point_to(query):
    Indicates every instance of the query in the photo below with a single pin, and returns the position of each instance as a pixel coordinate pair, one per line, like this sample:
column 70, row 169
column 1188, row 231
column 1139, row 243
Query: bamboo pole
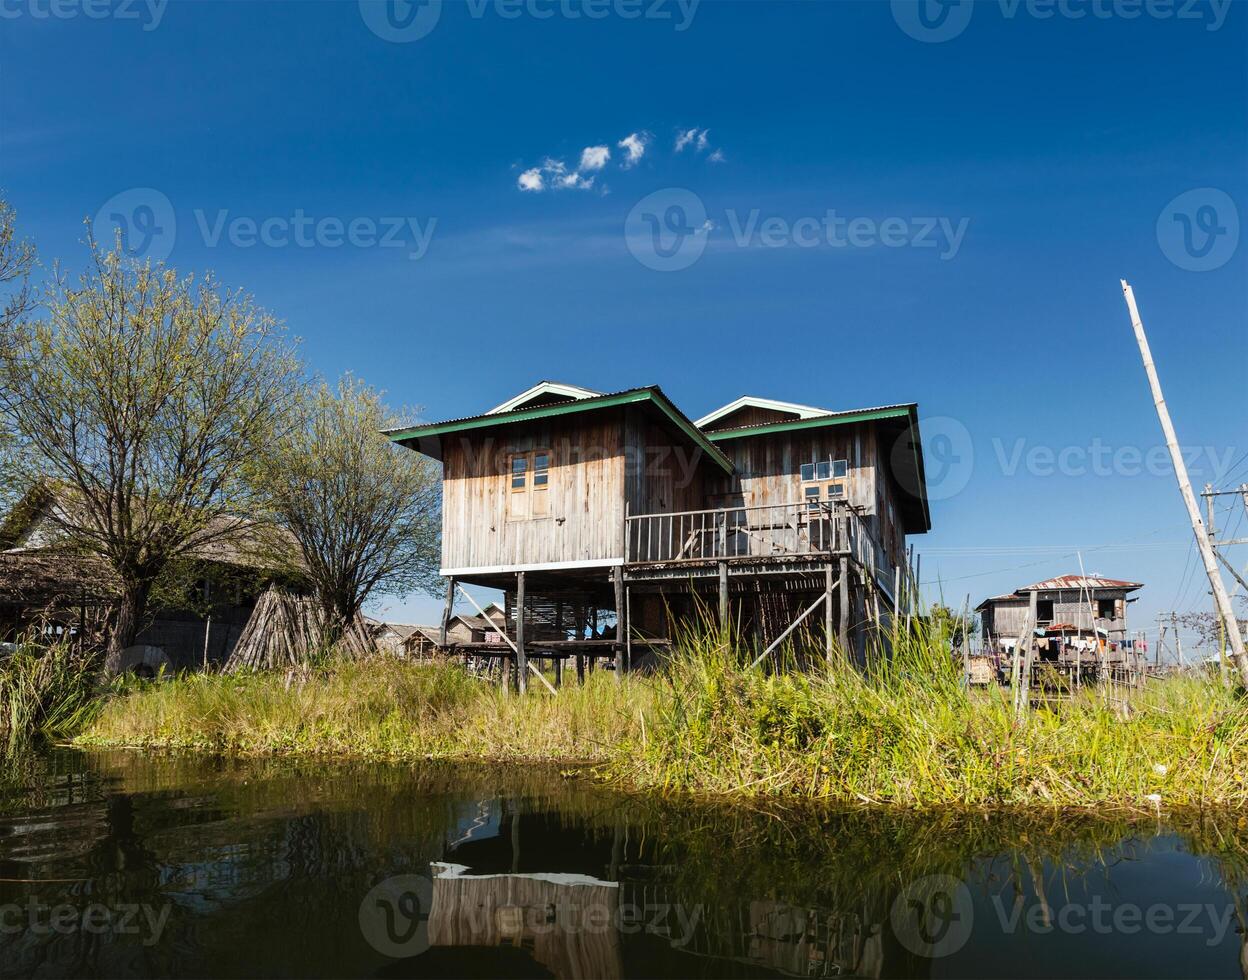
column 1221, row 599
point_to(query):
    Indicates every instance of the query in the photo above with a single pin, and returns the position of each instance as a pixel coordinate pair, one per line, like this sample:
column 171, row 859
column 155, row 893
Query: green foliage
column 903, row 732
column 906, row 731
column 362, row 511
column 139, row 397
column 47, row 691
column 379, row 707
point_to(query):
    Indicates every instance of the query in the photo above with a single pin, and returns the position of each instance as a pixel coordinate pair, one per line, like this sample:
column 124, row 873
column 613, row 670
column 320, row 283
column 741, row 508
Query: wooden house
column 1090, row 610
column 51, row 591
column 606, row 519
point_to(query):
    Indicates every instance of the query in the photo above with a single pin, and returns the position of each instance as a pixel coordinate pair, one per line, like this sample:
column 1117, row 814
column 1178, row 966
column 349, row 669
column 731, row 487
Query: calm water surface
column 138, row 865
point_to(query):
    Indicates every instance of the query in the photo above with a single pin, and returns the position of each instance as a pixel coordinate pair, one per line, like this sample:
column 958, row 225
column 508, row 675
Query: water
column 132, row 864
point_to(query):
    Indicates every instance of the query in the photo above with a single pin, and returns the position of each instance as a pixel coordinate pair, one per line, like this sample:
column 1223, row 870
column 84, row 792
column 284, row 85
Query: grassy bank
column 903, row 732
column 45, row 691
column 376, row 709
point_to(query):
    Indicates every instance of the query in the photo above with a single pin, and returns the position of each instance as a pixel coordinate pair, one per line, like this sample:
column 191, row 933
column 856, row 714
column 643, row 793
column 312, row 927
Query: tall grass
column 379, row 708
column 45, row 691
column 905, row 730
column 902, row 730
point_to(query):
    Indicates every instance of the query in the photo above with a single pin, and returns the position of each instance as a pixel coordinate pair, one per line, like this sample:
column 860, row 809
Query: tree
column 363, row 511
column 139, row 398
column 17, row 257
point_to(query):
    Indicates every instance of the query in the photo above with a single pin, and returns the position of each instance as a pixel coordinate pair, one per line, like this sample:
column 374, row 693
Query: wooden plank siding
column 601, row 464
column 769, row 472
column 585, row 495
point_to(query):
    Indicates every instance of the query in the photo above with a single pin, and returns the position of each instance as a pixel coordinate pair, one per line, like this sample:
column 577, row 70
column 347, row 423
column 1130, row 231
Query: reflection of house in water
column 566, row 922
column 585, row 913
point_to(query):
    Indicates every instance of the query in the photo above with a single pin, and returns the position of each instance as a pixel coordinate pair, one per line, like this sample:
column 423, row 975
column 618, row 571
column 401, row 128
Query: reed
column 45, row 691
column 375, row 708
column 901, row 730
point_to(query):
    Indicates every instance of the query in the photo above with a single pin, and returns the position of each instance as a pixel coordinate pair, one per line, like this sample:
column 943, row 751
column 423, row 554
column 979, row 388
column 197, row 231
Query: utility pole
column 1223, row 601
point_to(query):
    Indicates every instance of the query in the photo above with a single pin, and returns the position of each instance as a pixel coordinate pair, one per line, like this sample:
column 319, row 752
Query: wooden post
column 723, row 597
column 558, row 657
column 844, row 610
column 628, row 628
column 828, row 585
column 446, row 611
column 1221, row 599
column 207, row 630
column 522, row 664
column 620, row 624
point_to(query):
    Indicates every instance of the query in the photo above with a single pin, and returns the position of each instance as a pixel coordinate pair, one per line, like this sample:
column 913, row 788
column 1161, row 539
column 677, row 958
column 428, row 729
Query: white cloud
column 634, row 144
column 594, row 157
column 717, row 157
column 697, row 137
column 574, row 181
column 532, row 180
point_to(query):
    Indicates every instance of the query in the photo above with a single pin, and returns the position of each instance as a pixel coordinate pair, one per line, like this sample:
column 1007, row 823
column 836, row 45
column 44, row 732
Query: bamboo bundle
column 284, row 630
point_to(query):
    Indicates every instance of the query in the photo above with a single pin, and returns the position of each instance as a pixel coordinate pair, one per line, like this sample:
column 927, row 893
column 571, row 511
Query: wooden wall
column 584, row 509
column 1006, row 617
column 769, row 472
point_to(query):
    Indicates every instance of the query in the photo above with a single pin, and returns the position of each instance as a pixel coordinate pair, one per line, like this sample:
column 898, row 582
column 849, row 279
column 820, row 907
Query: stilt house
column 608, row 519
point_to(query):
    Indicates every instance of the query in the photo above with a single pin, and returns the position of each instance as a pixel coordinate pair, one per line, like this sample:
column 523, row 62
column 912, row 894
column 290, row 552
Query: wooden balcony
column 785, row 533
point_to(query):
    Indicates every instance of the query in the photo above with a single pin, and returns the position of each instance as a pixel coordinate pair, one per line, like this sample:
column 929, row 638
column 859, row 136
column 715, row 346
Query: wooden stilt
column 620, row 625
column 844, row 604
column 829, row 585
column 723, row 596
column 446, row 611
column 628, row 628
column 522, row 665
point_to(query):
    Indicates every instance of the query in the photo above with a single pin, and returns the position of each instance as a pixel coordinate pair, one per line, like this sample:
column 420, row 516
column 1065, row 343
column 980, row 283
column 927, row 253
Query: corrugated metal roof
column 1079, row 582
column 813, row 418
column 1063, row 582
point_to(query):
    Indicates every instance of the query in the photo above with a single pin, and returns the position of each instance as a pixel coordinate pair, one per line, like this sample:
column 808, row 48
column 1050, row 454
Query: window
column 519, row 472
column 529, row 474
column 1106, row 608
column 1044, row 610
column 823, row 480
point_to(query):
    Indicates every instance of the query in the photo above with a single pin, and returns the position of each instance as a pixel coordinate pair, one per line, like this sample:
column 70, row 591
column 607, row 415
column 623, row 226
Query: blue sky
column 999, row 182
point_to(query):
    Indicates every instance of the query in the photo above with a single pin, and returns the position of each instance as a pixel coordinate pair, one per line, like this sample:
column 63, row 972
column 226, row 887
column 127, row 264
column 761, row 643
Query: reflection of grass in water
column 848, row 860
column 902, row 732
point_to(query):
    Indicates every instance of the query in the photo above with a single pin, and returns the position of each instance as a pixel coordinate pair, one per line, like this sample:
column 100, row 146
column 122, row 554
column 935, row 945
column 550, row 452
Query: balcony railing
column 768, row 531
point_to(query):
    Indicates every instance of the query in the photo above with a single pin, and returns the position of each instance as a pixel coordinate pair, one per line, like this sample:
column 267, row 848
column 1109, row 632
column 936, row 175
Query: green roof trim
column 636, row 396
column 843, row 418
column 909, row 412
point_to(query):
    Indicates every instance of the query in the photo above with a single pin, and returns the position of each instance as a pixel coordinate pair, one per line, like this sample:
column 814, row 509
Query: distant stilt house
column 1075, row 618
column 607, row 520
column 56, row 593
